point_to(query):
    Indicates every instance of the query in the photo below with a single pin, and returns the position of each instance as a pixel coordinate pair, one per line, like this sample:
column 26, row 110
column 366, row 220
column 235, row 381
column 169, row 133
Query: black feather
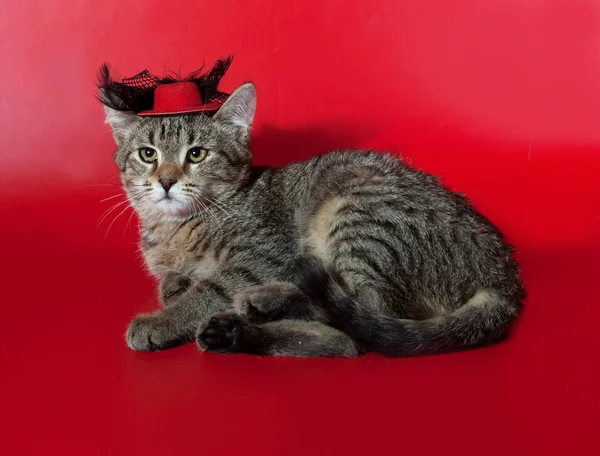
column 209, row 83
column 136, row 93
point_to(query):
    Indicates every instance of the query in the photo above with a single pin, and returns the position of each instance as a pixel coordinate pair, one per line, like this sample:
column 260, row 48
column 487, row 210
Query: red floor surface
column 501, row 98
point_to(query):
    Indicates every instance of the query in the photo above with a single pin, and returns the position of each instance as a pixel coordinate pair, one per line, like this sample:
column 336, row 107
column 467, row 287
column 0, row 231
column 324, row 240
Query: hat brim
column 212, row 106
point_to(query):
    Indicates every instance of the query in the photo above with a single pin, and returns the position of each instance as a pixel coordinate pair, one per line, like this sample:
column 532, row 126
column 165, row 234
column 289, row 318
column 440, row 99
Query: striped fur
column 349, row 252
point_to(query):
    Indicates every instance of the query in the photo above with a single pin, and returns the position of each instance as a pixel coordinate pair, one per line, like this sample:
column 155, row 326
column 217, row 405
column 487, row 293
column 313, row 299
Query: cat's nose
column 167, row 183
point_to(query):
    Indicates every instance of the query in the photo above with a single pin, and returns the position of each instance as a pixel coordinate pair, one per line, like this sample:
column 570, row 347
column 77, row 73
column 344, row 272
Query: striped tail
column 485, row 319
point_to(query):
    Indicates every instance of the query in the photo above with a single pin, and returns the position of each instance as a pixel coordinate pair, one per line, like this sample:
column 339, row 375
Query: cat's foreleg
column 176, row 324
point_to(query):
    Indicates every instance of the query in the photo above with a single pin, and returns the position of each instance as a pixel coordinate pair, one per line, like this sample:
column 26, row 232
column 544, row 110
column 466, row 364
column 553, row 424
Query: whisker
column 97, row 185
column 111, row 197
column 109, row 210
column 223, row 207
column 106, row 184
column 128, row 222
column 115, row 219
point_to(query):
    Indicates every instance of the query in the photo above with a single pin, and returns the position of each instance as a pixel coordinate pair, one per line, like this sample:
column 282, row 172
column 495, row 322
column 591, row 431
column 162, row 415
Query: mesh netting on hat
column 143, row 80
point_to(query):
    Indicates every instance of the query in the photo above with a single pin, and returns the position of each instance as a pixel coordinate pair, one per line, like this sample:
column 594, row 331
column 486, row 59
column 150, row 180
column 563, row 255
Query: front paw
column 151, row 333
column 221, row 333
column 172, row 287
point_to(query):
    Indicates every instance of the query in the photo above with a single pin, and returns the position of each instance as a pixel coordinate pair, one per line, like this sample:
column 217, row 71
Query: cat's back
column 355, row 167
column 346, row 160
column 372, row 178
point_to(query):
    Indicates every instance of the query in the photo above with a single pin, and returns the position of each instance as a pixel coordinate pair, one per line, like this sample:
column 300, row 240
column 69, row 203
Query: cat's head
column 173, row 167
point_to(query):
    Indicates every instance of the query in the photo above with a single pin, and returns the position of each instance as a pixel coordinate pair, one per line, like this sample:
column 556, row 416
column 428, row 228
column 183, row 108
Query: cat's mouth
column 172, row 206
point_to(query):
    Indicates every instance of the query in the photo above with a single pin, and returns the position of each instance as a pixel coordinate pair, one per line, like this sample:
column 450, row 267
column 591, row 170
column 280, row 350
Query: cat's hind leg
column 232, row 333
column 274, row 301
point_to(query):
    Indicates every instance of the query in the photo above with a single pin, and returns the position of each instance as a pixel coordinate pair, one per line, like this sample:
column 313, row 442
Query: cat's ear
column 239, row 108
column 120, row 120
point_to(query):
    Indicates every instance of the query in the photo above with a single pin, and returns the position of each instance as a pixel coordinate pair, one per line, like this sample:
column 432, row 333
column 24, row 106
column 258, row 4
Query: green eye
column 148, row 155
column 196, row 154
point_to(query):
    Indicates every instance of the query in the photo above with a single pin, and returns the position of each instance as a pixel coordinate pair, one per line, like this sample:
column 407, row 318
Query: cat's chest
column 191, row 249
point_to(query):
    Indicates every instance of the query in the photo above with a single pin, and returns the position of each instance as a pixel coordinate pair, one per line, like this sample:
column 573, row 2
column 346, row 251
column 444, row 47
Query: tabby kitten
column 349, row 252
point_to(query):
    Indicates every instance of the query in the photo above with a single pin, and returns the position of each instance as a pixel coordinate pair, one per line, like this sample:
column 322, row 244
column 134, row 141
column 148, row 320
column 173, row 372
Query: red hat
column 179, row 98
column 149, row 95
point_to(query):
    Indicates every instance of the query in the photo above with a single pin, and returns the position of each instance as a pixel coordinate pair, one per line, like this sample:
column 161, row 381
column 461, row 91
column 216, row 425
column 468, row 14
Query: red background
column 500, row 97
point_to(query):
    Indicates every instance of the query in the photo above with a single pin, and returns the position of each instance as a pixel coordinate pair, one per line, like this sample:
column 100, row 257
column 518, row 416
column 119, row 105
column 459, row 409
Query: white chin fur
column 173, row 208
